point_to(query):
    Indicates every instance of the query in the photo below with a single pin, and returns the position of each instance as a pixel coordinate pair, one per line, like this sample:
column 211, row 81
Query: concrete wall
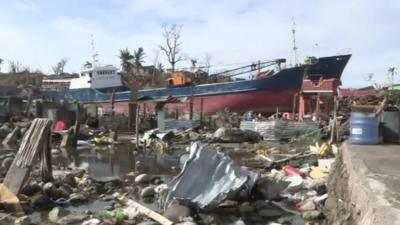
column 363, row 187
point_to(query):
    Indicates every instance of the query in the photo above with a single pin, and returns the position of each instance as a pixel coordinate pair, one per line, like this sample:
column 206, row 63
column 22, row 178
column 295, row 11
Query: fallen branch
column 143, row 210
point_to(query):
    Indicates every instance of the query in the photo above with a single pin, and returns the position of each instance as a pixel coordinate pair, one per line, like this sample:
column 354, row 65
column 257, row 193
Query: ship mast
column 95, row 53
column 294, row 41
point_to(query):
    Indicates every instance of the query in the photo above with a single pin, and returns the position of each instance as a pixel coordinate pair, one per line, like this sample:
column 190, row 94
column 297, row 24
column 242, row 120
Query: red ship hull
column 258, row 101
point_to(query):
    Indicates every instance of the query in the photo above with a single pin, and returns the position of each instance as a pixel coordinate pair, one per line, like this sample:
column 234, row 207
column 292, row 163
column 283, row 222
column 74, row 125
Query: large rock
column 24, row 220
column 65, row 191
column 31, row 189
column 39, row 199
column 148, row 223
column 78, row 197
column 187, row 223
column 186, row 219
column 57, row 213
column 143, row 178
column 148, row 192
column 69, row 178
column 4, row 130
column 246, row 208
column 50, row 190
column 5, row 165
column 194, row 136
column 176, row 211
column 92, row 221
column 71, row 219
column 330, row 203
column 312, row 215
column 270, row 213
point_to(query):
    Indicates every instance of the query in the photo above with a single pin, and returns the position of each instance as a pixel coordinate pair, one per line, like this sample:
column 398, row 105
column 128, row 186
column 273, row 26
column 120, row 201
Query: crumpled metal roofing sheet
column 207, row 178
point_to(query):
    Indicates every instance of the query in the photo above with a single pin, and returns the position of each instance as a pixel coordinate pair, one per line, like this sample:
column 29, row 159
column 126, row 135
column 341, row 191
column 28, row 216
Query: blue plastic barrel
column 364, row 128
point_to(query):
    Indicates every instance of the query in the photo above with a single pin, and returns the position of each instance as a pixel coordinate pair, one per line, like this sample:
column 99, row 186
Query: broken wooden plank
column 35, row 143
column 144, row 210
column 15, row 178
column 68, row 139
column 12, row 137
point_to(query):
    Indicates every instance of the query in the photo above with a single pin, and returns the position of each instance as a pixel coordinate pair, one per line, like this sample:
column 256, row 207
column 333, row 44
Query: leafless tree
column 58, row 69
column 193, row 64
column 155, row 62
column 160, row 67
column 207, row 63
column 172, row 48
column 1, row 62
column 391, row 74
column 370, row 78
column 15, row 67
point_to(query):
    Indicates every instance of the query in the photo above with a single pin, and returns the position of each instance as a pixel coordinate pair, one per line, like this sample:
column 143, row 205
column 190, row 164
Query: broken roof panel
column 207, row 178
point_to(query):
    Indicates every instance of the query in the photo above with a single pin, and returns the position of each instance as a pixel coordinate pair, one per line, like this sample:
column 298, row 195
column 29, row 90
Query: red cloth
column 60, row 125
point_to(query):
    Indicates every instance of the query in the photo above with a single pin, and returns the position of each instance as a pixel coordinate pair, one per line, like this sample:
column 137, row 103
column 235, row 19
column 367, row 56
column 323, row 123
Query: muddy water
column 116, row 160
column 119, row 160
column 112, row 161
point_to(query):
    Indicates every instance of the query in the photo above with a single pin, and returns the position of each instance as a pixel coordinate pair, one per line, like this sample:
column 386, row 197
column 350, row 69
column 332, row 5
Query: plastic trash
column 118, row 215
column 307, row 205
column 291, row 171
column 295, row 183
column 131, row 212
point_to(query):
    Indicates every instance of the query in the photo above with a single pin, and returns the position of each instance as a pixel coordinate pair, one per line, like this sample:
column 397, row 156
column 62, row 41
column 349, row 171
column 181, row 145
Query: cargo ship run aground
column 268, row 92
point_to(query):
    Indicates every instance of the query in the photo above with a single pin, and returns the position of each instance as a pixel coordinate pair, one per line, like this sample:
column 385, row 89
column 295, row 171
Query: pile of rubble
column 345, row 103
column 227, row 176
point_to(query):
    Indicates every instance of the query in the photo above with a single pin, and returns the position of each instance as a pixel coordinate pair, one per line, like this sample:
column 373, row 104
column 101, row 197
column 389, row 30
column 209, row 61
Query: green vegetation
column 22, row 78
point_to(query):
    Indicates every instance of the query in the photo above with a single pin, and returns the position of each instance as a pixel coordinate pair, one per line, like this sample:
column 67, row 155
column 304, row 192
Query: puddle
column 109, row 161
column 117, row 160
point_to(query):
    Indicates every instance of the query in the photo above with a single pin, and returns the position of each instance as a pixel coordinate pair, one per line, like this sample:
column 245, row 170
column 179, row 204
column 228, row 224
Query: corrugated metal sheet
column 170, row 124
column 207, row 178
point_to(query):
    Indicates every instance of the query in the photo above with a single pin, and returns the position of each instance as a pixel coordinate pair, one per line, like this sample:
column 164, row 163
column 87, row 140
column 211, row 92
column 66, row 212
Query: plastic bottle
column 291, row 171
column 118, row 215
column 105, row 214
column 307, row 205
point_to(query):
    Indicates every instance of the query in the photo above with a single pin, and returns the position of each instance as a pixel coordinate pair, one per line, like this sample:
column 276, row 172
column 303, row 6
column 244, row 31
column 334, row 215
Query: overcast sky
column 40, row 33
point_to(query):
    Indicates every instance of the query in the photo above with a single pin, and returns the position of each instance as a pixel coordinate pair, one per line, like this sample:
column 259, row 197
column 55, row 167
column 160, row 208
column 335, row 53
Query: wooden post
column 112, row 102
column 76, row 126
column 131, row 115
column 294, row 106
column 201, row 110
column 45, row 162
column 301, row 107
column 317, row 108
column 191, row 103
column 334, row 133
column 137, row 126
column 68, row 139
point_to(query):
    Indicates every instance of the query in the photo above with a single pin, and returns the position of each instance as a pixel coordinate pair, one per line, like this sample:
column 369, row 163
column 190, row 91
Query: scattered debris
column 276, row 130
